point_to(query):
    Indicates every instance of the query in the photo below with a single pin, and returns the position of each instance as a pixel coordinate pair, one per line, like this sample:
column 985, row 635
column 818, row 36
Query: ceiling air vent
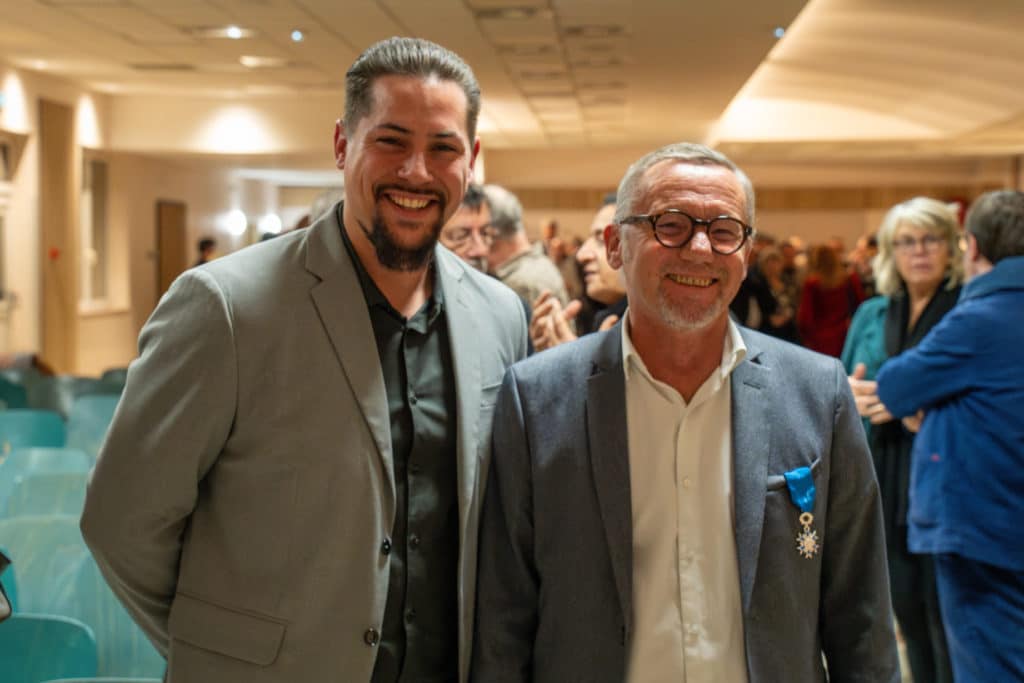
column 162, row 66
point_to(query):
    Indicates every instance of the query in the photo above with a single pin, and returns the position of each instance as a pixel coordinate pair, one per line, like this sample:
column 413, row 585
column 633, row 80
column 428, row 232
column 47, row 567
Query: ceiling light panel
column 226, row 32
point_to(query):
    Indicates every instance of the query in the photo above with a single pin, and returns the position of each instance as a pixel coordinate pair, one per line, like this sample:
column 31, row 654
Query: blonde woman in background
column 918, row 273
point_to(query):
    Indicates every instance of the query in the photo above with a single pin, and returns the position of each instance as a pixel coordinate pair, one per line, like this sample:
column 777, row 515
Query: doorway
column 171, row 243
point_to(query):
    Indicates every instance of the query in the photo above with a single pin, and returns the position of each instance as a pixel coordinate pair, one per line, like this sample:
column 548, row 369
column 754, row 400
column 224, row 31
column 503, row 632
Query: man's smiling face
column 407, row 165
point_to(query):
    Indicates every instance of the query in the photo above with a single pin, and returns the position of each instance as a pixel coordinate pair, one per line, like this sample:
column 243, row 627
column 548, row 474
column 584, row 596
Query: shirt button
column 410, row 614
column 686, row 482
column 385, row 547
column 412, row 398
column 414, row 468
column 414, row 541
column 371, row 637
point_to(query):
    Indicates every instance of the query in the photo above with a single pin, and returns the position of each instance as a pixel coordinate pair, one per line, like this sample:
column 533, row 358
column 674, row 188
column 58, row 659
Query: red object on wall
column 54, row 253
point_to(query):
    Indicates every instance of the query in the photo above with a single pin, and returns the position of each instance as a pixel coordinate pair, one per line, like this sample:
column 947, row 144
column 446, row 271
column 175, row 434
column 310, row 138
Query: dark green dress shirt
column 419, row 636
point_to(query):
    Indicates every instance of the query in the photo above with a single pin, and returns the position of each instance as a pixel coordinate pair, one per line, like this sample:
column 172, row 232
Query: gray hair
column 506, row 212
column 681, row 152
column 407, row 57
column 921, row 212
column 996, row 220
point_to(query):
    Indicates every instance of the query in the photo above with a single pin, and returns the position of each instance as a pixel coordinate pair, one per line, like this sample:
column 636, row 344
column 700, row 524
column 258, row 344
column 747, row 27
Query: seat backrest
column 45, row 550
column 89, row 421
column 12, row 396
column 107, row 679
column 57, row 493
column 8, row 580
column 123, row 649
column 24, row 461
column 43, row 647
column 115, row 377
column 29, row 429
column 58, row 392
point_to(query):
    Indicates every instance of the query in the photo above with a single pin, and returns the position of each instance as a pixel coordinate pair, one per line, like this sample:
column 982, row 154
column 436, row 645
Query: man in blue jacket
column 967, row 479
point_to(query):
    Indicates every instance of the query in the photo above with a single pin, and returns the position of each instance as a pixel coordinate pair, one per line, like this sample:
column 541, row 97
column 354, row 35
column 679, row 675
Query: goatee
column 394, row 256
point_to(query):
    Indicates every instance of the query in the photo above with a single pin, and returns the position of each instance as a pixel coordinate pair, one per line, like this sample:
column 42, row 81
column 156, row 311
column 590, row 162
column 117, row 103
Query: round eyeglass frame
column 653, row 219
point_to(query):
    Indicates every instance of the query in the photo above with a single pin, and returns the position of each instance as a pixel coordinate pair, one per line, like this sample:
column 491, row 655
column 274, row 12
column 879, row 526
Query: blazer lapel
column 608, row 437
column 342, row 309
column 751, row 446
column 464, row 341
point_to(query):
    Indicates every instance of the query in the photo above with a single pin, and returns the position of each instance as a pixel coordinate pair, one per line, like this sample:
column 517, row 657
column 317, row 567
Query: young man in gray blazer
column 290, row 488
column 701, row 505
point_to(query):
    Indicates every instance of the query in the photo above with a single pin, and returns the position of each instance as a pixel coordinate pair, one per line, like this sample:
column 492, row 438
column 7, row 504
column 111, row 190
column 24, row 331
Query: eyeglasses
column 458, row 237
column 674, row 229
column 928, row 242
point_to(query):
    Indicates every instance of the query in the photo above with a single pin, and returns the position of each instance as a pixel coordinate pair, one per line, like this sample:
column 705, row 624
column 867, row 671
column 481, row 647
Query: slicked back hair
column 399, row 56
column 996, row 220
column 682, row 152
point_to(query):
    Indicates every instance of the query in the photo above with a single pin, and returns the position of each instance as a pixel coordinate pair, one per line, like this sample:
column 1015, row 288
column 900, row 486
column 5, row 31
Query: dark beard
column 395, row 257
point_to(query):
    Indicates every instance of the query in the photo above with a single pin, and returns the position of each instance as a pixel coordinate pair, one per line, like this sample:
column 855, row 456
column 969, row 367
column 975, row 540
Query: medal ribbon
column 801, row 488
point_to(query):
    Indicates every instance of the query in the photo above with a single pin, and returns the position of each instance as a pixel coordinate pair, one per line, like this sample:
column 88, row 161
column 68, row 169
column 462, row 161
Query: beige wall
column 23, row 248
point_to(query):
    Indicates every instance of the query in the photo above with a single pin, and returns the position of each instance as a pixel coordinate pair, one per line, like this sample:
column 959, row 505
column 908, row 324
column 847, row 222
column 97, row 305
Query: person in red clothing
column 830, row 297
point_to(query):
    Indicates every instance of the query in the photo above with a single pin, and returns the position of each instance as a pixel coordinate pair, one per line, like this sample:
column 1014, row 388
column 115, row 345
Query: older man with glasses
column 469, row 232
column 704, row 508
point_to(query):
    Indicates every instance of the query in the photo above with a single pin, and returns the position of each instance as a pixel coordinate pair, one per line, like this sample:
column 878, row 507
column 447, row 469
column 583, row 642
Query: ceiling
column 849, row 79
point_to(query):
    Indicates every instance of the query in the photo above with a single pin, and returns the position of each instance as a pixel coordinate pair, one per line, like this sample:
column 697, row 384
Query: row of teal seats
column 29, row 389
column 85, row 428
column 52, row 573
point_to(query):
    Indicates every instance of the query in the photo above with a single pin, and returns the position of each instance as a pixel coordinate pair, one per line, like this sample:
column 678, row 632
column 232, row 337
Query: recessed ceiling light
column 297, row 36
column 255, row 62
column 233, row 32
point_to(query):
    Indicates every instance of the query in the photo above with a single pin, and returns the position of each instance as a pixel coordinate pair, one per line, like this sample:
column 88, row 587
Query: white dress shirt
column 688, row 615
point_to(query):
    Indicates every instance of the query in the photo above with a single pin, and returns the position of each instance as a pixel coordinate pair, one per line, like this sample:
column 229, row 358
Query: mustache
column 379, row 190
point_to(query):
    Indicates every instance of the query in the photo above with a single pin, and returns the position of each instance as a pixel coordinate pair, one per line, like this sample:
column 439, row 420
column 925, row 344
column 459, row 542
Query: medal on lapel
column 801, row 492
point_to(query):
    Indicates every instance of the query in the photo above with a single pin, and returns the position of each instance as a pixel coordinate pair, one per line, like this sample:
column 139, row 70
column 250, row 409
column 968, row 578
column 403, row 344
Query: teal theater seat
column 124, row 650
column 9, row 580
column 12, row 396
column 115, row 378
column 59, row 493
column 58, row 393
column 42, row 647
column 25, row 461
column 89, row 421
column 106, row 679
column 30, row 428
column 45, row 550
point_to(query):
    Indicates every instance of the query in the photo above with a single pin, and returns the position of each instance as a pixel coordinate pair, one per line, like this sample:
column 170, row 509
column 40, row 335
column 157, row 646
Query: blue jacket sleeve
column 934, row 370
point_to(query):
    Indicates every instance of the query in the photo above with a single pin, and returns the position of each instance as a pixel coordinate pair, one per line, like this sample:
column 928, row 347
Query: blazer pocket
column 778, row 481
column 489, row 395
column 251, row 638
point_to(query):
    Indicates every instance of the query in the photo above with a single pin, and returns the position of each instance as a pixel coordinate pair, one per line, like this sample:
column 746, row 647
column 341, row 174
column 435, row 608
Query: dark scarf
column 897, row 337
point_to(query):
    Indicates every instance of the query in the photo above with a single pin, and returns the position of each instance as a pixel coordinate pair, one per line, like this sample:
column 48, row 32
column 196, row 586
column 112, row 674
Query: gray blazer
column 555, row 588
column 242, row 495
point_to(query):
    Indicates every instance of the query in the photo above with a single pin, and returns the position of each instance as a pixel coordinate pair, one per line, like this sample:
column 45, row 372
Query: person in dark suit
column 677, row 498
